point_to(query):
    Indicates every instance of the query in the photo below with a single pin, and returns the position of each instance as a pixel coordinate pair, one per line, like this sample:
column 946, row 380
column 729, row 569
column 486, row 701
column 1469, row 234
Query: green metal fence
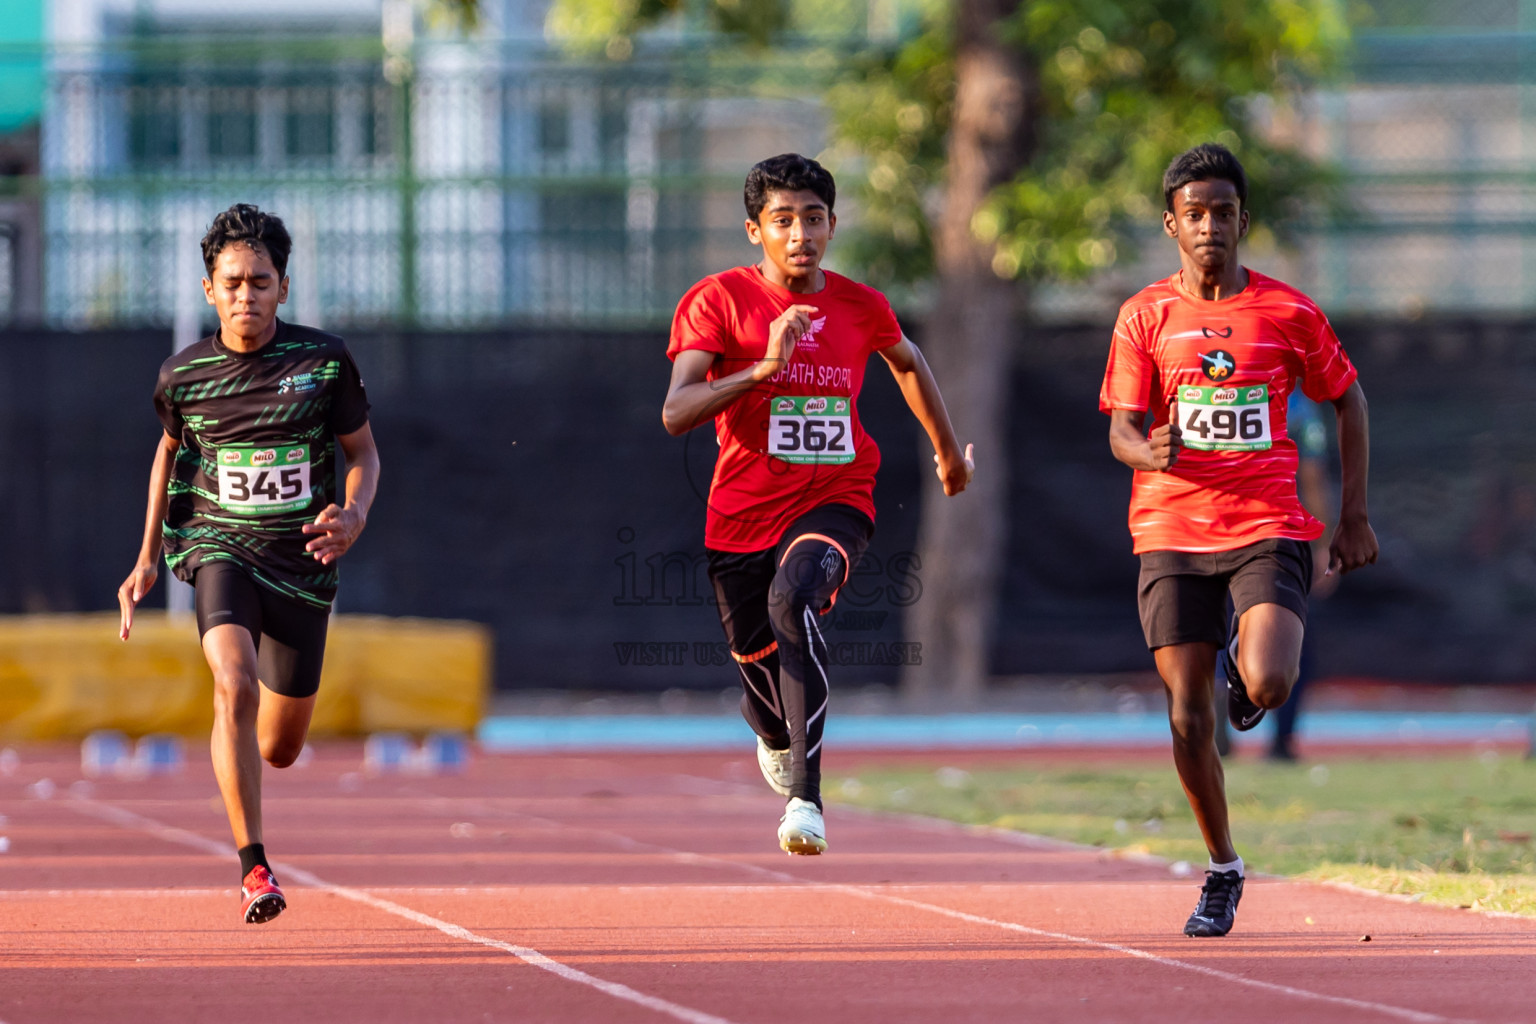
column 491, row 184
column 499, row 183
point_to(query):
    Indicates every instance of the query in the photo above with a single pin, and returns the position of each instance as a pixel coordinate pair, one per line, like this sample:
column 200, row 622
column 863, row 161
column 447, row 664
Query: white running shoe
column 776, row 766
column 802, row 829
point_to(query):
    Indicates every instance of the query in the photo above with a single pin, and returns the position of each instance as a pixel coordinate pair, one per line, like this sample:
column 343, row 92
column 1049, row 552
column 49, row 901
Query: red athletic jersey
column 1219, row 355
column 755, row 495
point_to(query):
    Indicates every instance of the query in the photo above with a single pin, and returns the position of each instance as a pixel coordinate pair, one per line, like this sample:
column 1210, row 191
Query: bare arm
column 1354, row 542
column 338, row 528
column 692, row 398
column 147, row 569
column 1156, row 452
column 1312, row 487
column 954, row 467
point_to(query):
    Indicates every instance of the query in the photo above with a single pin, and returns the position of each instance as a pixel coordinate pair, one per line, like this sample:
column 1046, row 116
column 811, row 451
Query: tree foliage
column 1125, row 86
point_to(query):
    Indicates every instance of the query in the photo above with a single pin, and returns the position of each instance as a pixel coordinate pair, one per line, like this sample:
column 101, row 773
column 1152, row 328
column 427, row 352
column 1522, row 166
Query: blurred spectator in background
column 1304, row 422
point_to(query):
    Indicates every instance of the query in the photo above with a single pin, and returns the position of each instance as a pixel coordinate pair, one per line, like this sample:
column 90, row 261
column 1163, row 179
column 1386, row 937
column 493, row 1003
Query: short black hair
column 245, row 223
column 1208, row 161
column 787, row 172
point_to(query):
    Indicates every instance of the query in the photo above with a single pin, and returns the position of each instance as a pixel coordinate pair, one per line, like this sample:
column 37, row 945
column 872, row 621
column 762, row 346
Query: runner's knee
column 790, row 596
column 281, row 751
column 235, row 693
column 1269, row 688
column 1193, row 720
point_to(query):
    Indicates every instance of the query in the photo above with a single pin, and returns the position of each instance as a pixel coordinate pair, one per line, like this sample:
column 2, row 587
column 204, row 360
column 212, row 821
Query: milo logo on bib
column 812, row 429
column 256, row 480
column 1234, row 418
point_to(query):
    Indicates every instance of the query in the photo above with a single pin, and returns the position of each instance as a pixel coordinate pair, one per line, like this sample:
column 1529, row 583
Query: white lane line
column 1401, row 1013
column 885, row 895
column 1386, row 1009
column 170, row 833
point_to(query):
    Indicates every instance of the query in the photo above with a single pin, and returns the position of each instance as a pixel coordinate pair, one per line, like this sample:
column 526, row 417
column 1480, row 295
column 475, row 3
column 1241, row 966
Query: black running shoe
column 1217, row 909
column 1242, row 712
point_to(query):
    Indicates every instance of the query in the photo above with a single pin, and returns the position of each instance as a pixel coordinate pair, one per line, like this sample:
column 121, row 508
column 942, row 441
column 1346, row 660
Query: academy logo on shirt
column 297, row 383
column 1219, row 363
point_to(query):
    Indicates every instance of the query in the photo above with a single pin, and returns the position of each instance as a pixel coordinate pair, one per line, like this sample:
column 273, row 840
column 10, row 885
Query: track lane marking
column 698, row 859
column 1401, row 1013
column 689, row 857
column 170, row 833
column 173, row 834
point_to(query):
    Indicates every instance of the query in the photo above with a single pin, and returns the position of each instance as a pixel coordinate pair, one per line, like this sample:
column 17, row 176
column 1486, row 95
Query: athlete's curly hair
column 245, row 223
column 1206, row 162
column 787, row 172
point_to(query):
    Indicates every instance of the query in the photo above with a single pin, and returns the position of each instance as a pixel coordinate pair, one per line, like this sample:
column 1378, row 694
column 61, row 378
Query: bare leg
column 1269, row 640
column 1189, row 672
column 231, row 654
column 282, row 725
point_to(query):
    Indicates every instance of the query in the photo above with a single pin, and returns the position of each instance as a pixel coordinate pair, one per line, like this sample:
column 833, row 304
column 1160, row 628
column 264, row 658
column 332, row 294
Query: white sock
column 1236, row 865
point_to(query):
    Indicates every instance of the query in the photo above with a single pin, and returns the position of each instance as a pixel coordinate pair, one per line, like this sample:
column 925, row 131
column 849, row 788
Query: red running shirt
column 1170, row 344
column 755, row 495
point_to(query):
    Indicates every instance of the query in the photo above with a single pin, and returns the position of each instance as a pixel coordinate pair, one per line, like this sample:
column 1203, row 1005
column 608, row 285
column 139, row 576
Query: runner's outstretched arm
column 147, row 568
column 1354, row 542
column 339, row 527
column 692, row 398
column 955, row 468
column 1134, row 447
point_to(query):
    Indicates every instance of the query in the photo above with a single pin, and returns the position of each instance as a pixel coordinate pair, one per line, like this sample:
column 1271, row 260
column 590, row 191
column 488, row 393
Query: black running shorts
column 1183, row 594
column 289, row 637
column 742, row 579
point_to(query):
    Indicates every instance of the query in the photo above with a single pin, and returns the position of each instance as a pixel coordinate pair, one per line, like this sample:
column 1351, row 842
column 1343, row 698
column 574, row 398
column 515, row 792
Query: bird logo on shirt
column 1217, row 364
column 816, row 325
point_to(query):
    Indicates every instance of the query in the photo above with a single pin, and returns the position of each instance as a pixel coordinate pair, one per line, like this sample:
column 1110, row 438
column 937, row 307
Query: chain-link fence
column 488, row 185
column 501, row 183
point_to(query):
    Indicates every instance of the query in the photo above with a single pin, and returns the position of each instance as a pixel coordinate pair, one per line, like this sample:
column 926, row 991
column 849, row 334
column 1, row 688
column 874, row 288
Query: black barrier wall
column 528, row 484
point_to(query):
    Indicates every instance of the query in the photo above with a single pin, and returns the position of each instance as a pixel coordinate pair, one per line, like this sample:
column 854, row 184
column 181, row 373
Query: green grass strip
column 1453, row 830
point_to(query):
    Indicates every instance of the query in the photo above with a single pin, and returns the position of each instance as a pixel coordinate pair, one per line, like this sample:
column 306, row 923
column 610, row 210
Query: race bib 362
column 811, row 429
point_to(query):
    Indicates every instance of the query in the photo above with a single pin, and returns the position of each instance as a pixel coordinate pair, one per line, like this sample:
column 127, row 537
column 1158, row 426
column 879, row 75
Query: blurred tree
column 994, row 143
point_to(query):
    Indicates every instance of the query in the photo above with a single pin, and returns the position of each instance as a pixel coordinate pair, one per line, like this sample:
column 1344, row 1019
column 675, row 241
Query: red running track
column 612, row 888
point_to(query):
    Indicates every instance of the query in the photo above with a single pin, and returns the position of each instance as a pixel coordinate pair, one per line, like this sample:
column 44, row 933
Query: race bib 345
column 262, row 479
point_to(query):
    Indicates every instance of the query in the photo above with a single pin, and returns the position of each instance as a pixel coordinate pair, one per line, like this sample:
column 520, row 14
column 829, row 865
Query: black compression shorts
column 742, row 580
column 289, row 637
column 1183, row 594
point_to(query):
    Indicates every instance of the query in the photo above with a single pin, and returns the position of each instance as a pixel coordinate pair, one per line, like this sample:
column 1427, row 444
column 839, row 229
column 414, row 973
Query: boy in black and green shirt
column 243, row 502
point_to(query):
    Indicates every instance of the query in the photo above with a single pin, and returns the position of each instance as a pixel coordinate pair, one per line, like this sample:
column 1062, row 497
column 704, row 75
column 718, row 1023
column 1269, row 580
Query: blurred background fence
column 500, row 180
column 490, row 184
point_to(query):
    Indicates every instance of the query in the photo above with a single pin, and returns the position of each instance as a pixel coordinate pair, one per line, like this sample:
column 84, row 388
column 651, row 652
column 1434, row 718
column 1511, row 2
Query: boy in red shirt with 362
column 775, row 354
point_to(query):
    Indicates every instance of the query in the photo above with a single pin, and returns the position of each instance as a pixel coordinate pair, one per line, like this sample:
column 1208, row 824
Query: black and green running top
column 258, row 454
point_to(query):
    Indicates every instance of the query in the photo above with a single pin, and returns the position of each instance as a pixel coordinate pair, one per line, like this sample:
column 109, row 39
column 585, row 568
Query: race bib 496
column 816, row 430
column 260, row 480
column 1217, row 419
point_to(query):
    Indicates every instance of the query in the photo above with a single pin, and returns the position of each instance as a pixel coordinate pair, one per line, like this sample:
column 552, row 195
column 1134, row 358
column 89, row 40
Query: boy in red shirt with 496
column 1212, row 353
column 775, row 354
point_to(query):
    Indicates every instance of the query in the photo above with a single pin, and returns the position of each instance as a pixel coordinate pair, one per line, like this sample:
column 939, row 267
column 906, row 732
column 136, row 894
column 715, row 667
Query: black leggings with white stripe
column 771, row 605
